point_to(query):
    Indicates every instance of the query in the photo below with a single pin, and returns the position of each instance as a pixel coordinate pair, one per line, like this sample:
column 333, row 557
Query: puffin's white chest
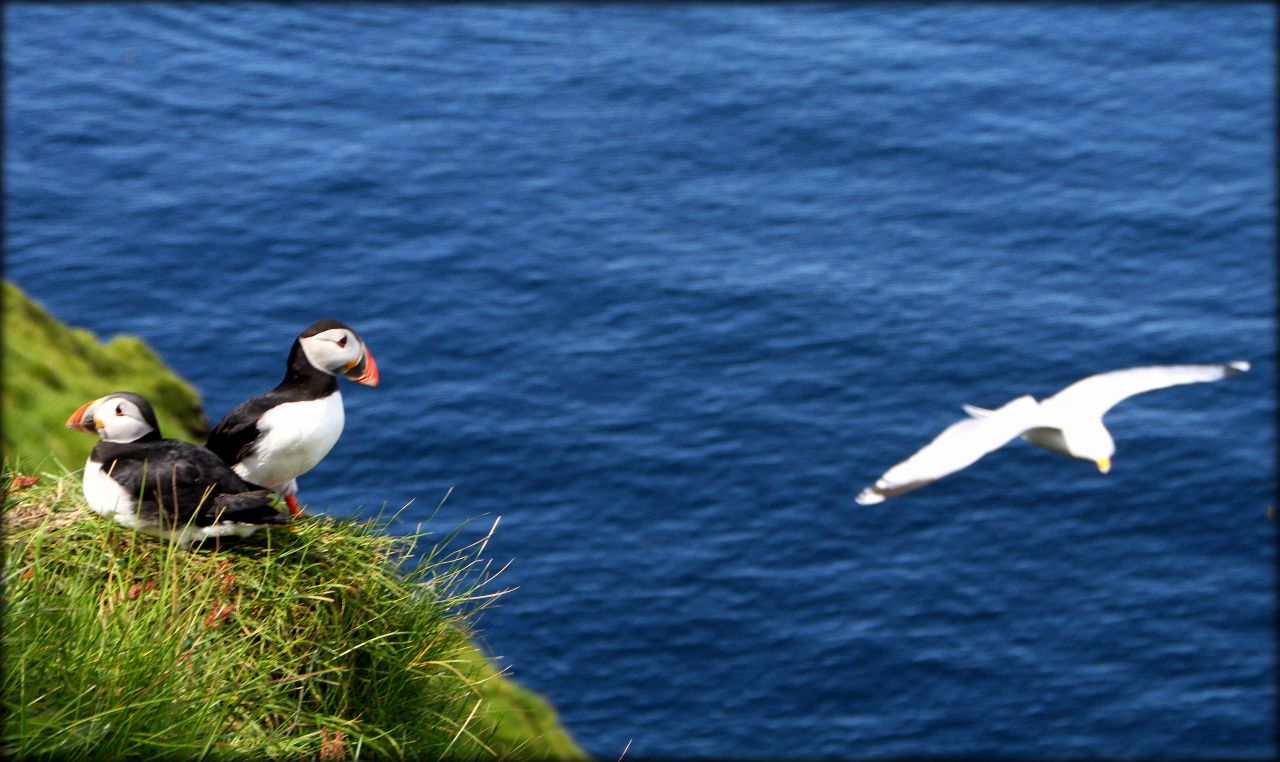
column 104, row 496
column 293, row 438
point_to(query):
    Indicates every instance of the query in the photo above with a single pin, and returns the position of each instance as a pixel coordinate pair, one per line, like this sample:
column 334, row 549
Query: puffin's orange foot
column 292, row 502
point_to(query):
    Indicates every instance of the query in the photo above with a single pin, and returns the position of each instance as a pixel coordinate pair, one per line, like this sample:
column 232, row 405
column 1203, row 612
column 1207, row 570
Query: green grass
column 311, row 641
column 50, row 369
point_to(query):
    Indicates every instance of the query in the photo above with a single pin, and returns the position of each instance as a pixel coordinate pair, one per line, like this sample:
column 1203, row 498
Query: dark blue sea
column 664, row 286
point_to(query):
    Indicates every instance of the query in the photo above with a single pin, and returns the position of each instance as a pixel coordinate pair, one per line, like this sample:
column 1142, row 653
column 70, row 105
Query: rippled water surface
column 665, row 286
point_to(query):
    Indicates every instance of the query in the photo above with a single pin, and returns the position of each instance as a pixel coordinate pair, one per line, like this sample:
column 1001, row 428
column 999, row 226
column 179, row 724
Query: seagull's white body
column 1069, row 422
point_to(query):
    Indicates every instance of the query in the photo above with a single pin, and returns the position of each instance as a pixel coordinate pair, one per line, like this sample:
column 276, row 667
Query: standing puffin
column 170, row 489
column 272, row 439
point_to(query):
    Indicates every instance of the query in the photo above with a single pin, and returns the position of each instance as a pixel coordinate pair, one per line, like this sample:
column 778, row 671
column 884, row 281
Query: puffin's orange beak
column 82, row 418
column 364, row 370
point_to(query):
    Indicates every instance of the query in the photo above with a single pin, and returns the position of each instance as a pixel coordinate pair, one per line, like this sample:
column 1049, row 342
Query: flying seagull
column 1069, row 422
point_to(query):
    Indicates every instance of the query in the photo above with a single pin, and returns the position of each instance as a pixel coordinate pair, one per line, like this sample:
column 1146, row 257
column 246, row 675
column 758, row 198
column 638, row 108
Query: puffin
column 272, row 439
column 163, row 487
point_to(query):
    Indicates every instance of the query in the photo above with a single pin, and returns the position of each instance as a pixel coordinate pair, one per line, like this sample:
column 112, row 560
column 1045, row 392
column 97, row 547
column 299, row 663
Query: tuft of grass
column 326, row 639
column 50, row 369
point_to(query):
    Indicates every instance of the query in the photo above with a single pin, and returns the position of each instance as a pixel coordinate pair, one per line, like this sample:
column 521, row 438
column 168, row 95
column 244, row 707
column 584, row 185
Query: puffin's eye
column 119, row 409
column 342, row 342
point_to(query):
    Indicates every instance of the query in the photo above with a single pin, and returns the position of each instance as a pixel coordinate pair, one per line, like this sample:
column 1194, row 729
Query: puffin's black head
column 324, row 324
column 117, row 417
column 330, row 346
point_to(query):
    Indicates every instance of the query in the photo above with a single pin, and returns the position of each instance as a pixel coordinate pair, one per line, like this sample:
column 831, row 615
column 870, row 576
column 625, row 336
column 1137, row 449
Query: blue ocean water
column 665, row 286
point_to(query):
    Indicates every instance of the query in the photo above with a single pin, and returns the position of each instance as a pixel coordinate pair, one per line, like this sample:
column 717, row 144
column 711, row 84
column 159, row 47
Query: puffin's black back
column 179, row 483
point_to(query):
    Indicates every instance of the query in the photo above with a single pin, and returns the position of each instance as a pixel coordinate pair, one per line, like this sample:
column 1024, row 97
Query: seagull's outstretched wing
column 1095, row 395
column 959, row 445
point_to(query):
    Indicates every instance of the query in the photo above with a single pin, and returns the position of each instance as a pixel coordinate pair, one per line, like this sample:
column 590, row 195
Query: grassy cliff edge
column 312, row 641
column 50, row 369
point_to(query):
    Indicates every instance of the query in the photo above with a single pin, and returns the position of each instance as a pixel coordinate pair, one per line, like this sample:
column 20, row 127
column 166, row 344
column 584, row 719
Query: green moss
column 50, row 370
column 518, row 721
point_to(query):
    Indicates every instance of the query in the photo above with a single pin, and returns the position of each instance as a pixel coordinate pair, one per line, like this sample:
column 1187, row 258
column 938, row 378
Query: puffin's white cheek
column 123, row 429
column 321, row 354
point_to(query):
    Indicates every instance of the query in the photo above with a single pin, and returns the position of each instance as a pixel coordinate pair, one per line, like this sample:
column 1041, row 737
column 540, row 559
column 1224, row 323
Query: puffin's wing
column 231, row 498
column 164, row 484
column 233, row 438
column 245, row 507
column 1095, row 395
column 959, row 445
column 207, row 468
column 205, row 483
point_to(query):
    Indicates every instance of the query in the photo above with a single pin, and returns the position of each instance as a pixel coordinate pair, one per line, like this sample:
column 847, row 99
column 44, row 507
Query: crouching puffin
column 272, row 439
column 170, row 489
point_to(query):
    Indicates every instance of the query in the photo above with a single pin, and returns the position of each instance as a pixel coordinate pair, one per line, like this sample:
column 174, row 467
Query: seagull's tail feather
column 977, row 412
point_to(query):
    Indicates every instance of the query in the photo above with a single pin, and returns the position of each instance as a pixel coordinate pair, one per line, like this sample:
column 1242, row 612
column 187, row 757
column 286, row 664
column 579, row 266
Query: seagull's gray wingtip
column 1237, row 367
column 869, row 496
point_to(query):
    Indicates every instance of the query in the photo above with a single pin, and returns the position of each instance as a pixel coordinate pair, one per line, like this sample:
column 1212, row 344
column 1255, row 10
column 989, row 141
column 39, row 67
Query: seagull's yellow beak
column 1104, row 464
